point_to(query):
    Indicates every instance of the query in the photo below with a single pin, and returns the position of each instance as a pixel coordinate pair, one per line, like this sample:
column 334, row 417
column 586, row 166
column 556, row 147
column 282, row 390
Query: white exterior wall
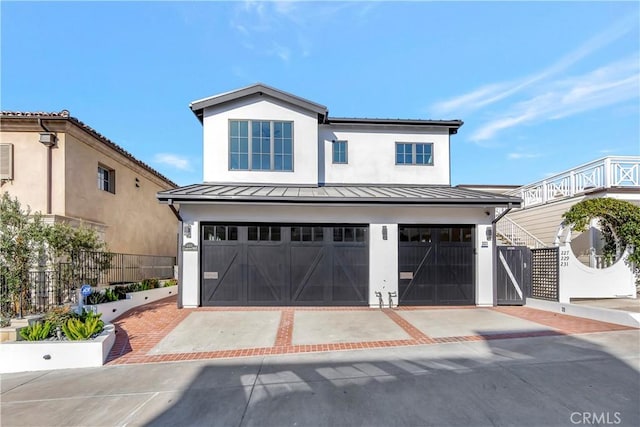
column 216, row 141
column 383, row 255
column 576, row 280
column 371, row 156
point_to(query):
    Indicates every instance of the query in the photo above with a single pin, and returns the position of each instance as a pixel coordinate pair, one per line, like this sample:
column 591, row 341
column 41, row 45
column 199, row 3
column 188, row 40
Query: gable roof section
column 261, row 89
column 368, row 194
column 257, row 89
column 64, row 115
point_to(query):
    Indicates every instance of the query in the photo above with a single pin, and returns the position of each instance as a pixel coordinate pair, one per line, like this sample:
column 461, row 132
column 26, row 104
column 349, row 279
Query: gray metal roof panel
column 335, row 194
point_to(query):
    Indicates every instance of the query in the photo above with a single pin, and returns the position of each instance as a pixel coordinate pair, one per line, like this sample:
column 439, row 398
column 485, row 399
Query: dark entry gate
column 513, row 274
column 276, row 264
column 436, row 265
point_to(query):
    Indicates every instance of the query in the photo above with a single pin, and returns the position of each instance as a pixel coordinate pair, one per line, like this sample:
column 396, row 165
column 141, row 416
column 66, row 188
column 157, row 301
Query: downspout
column 179, row 253
column 49, row 168
column 494, row 248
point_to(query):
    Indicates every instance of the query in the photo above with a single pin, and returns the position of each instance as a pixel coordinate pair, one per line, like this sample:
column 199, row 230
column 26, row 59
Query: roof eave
column 260, row 89
column 173, row 198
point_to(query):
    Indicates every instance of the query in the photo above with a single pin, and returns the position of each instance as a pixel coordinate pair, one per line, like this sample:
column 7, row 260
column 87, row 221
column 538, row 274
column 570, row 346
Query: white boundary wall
column 579, row 281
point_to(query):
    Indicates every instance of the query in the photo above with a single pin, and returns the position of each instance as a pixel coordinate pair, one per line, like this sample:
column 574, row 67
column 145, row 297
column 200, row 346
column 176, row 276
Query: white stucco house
column 301, row 208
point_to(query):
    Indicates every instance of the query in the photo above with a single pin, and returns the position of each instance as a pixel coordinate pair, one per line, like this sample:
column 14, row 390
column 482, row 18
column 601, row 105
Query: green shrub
column 121, row 291
column 83, row 329
column 5, row 320
column 111, row 295
column 150, row 283
column 36, row 332
column 96, row 297
column 58, row 316
column 170, row 282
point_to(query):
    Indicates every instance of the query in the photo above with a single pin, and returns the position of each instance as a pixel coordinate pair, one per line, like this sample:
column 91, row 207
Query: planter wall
column 20, row 356
column 112, row 310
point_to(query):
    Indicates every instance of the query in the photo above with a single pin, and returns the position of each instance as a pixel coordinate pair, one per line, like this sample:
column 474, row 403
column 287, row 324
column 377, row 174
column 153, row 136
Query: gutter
column 494, row 249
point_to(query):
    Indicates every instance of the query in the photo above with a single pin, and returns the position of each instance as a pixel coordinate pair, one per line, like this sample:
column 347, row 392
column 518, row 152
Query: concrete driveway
column 560, row 380
column 159, row 332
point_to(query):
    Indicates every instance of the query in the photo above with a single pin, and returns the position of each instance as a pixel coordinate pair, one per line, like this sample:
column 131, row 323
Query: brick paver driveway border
column 140, row 329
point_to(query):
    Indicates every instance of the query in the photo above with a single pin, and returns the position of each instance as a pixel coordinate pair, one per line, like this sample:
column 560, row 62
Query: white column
column 383, row 262
column 484, row 266
column 191, row 266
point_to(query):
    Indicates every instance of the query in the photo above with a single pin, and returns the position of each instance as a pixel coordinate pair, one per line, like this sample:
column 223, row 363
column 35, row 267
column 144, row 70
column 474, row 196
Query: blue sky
column 541, row 86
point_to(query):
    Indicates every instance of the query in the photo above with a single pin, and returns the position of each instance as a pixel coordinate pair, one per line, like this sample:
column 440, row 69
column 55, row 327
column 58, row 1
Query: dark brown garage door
column 284, row 264
column 436, row 265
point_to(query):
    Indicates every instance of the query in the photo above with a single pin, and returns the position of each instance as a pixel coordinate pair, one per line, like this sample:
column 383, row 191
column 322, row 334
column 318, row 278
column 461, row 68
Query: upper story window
column 414, row 153
column 106, row 179
column 260, row 145
column 339, row 151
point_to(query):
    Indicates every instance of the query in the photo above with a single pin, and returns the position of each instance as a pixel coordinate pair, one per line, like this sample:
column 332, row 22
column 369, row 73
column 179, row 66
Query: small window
column 414, row 153
column 264, row 233
column 219, row 232
column 349, row 234
column 106, row 179
column 307, row 234
column 339, row 152
column 415, row 234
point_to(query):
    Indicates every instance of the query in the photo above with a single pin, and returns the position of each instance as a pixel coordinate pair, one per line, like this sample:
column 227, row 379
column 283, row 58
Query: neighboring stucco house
column 300, row 208
column 57, row 165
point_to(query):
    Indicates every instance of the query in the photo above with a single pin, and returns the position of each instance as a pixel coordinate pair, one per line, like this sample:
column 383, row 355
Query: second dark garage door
column 292, row 264
column 436, row 265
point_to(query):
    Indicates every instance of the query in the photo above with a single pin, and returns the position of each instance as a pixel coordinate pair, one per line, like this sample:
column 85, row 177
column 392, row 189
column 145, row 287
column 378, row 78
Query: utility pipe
column 49, row 168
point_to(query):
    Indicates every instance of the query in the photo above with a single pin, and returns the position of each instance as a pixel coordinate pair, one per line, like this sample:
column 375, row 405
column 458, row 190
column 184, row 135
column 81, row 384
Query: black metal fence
column 545, row 277
column 104, row 268
column 47, row 288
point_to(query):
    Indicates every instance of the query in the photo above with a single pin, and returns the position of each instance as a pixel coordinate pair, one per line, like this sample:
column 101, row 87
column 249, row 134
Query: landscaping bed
column 62, row 338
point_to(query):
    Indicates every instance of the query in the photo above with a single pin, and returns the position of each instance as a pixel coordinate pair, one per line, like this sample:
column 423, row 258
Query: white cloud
column 173, row 160
column 492, row 93
column 282, row 28
column 607, row 85
column 518, row 156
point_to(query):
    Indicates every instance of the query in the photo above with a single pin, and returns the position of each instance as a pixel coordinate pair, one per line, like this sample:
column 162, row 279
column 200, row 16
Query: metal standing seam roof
column 383, row 194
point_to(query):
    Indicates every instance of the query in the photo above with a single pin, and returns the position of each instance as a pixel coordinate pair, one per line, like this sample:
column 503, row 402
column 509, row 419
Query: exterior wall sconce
column 186, row 230
column 385, row 234
column 488, row 233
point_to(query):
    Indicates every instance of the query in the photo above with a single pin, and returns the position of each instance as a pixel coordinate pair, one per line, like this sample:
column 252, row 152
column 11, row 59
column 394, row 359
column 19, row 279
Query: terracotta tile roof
column 65, row 115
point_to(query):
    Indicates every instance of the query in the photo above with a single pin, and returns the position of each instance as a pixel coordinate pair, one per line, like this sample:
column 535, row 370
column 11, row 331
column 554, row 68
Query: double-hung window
column 260, row 145
column 414, row 153
column 339, row 149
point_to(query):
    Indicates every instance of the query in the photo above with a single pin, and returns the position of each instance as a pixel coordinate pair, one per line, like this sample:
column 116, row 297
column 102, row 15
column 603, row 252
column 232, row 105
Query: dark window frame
column 276, row 145
column 345, row 152
column 414, row 153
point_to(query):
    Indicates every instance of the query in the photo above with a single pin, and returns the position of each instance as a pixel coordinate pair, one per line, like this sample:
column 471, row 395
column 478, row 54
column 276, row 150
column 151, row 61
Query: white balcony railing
column 607, row 172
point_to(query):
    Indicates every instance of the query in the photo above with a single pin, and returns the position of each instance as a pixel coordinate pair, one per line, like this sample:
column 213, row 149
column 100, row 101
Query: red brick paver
column 562, row 322
column 140, row 329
